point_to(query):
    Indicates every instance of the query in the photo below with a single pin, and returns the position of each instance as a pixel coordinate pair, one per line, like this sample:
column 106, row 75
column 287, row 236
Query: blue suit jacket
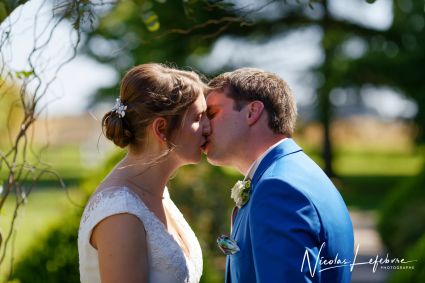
column 294, row 215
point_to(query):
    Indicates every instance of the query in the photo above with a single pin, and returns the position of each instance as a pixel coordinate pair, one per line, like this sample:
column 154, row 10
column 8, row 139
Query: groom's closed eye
column 210, row 114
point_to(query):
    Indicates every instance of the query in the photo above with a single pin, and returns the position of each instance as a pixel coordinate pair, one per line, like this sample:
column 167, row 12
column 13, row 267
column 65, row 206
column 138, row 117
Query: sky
column 79, row 79
column 76, row 81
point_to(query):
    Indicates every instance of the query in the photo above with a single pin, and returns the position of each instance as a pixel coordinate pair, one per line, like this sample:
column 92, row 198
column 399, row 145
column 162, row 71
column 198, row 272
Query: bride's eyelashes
column 198, row 117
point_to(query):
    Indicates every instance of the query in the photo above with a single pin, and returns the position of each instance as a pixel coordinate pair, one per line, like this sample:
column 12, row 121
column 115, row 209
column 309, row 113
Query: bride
column 130, row 230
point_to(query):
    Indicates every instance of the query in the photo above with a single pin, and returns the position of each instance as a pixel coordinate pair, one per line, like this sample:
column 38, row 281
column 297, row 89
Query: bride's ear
column 159, row 127
column 255, row 109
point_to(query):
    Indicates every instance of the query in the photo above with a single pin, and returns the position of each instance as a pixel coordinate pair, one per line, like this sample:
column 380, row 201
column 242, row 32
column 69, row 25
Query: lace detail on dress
column 195, row 252
column 164, row 253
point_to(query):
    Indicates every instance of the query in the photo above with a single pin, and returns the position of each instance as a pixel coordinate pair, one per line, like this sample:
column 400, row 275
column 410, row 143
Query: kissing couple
column 288, row 219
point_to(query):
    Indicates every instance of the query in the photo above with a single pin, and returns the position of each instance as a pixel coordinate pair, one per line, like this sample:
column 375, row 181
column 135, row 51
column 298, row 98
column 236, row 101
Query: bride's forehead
column 199, row 105
column 202, row 103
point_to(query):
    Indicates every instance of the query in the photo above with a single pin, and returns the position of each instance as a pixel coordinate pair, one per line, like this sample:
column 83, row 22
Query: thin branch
column 16, row 160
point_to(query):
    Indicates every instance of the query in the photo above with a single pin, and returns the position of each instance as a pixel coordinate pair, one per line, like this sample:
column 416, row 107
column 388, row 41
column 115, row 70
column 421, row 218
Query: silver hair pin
column 119, row 108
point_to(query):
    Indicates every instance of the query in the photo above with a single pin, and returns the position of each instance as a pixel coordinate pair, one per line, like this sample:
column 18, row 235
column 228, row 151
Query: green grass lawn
column 47, row 203
column 43, row 209
column 66, row 161
column 365, row 177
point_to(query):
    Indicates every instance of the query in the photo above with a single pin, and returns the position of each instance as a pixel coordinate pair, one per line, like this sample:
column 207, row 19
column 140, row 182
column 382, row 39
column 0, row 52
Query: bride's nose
column 206, row 126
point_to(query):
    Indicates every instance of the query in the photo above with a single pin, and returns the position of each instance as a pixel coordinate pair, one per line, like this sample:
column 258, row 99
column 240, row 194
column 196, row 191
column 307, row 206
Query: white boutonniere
column 240, row 192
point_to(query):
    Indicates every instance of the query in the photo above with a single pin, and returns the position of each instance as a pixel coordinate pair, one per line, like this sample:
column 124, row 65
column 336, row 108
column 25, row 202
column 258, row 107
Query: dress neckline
column 157, row 220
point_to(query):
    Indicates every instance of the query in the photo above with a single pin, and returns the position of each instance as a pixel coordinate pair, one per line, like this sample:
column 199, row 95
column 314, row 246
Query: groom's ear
column 159, row 127
column 255, row 109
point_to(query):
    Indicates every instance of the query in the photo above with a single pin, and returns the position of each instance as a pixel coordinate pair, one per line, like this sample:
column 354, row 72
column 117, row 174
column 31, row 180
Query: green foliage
column 401, row 222
column 150, row 18
column 417, row 252
column 130, row 33
column 3, row 12
column 7, row 7
column 209, row 272
column 202, row 193
column 402, row 228
column 53, row 258
column 24, row 74
column 11, row 112
column 395, row 57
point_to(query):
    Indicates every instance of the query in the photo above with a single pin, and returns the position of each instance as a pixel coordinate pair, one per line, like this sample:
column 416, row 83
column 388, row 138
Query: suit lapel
column 285, row 148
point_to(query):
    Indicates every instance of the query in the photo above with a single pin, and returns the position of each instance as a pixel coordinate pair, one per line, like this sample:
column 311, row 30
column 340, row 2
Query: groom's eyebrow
column 212, row 110
column 213, row 106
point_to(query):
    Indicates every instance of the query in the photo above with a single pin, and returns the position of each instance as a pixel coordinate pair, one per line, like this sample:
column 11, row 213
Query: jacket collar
column 257, row 162
column 284, row 148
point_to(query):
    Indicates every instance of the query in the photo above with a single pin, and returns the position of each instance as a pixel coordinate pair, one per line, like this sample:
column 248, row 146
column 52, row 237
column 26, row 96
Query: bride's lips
column 204, row 145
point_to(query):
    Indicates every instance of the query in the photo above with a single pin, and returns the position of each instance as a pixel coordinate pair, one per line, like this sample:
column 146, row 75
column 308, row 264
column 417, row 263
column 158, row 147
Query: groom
column 292, row 224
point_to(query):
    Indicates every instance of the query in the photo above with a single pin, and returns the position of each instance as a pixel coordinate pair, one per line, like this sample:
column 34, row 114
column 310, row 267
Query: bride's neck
column 146, row 172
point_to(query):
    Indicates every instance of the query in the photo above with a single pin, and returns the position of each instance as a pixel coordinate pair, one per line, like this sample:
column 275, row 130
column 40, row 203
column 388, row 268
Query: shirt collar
column 257, row 162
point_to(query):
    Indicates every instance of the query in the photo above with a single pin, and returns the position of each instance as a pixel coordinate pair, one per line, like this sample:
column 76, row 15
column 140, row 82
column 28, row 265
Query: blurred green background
column 371, row 178
column 361, row 119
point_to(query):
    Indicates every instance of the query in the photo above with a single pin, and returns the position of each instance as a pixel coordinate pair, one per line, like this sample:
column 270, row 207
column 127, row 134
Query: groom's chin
column 214, row 161
column 211, row 160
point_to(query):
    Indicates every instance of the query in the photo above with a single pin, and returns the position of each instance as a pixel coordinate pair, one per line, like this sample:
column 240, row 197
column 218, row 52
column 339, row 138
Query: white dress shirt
column 256, row 163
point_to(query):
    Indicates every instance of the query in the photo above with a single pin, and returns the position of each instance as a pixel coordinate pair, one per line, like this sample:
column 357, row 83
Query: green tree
column 396, row 57
column 11, row 112
column 191, row 27
column 174, row 30
column 181, row 28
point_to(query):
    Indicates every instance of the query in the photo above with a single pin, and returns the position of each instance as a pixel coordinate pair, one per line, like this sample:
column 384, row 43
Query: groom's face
column 227, row 129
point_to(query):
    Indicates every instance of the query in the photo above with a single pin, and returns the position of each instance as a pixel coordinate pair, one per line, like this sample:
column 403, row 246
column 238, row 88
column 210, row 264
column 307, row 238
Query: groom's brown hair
column 249, row 84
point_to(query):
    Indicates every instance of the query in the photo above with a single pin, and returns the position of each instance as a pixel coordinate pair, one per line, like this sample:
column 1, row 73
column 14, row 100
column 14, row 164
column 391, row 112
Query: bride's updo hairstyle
column 150, row 91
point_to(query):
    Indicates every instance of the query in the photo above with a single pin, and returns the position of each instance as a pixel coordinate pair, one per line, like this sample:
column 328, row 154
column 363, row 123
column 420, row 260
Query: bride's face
column 192, row 136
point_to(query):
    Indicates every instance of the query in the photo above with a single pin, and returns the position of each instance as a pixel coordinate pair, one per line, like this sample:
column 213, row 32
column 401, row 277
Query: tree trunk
column 325, row 107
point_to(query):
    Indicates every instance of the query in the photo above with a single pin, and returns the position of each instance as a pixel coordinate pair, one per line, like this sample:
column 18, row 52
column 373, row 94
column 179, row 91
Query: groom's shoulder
column 298, row 174
column 279, row 186
column 294, row 166
column 291, row 167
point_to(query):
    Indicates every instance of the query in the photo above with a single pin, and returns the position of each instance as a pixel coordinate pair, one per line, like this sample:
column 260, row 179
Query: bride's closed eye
column 198, row 117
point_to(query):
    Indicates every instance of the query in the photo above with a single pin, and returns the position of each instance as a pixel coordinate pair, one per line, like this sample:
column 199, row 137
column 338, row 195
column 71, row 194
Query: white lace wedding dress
column 167, row 261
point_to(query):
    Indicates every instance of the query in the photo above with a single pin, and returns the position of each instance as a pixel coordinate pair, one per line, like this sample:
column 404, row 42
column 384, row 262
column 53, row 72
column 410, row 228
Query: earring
column 164, row 138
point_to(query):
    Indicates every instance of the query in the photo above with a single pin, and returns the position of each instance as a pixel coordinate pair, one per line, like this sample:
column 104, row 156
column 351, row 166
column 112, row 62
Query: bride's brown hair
column 150, row 91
